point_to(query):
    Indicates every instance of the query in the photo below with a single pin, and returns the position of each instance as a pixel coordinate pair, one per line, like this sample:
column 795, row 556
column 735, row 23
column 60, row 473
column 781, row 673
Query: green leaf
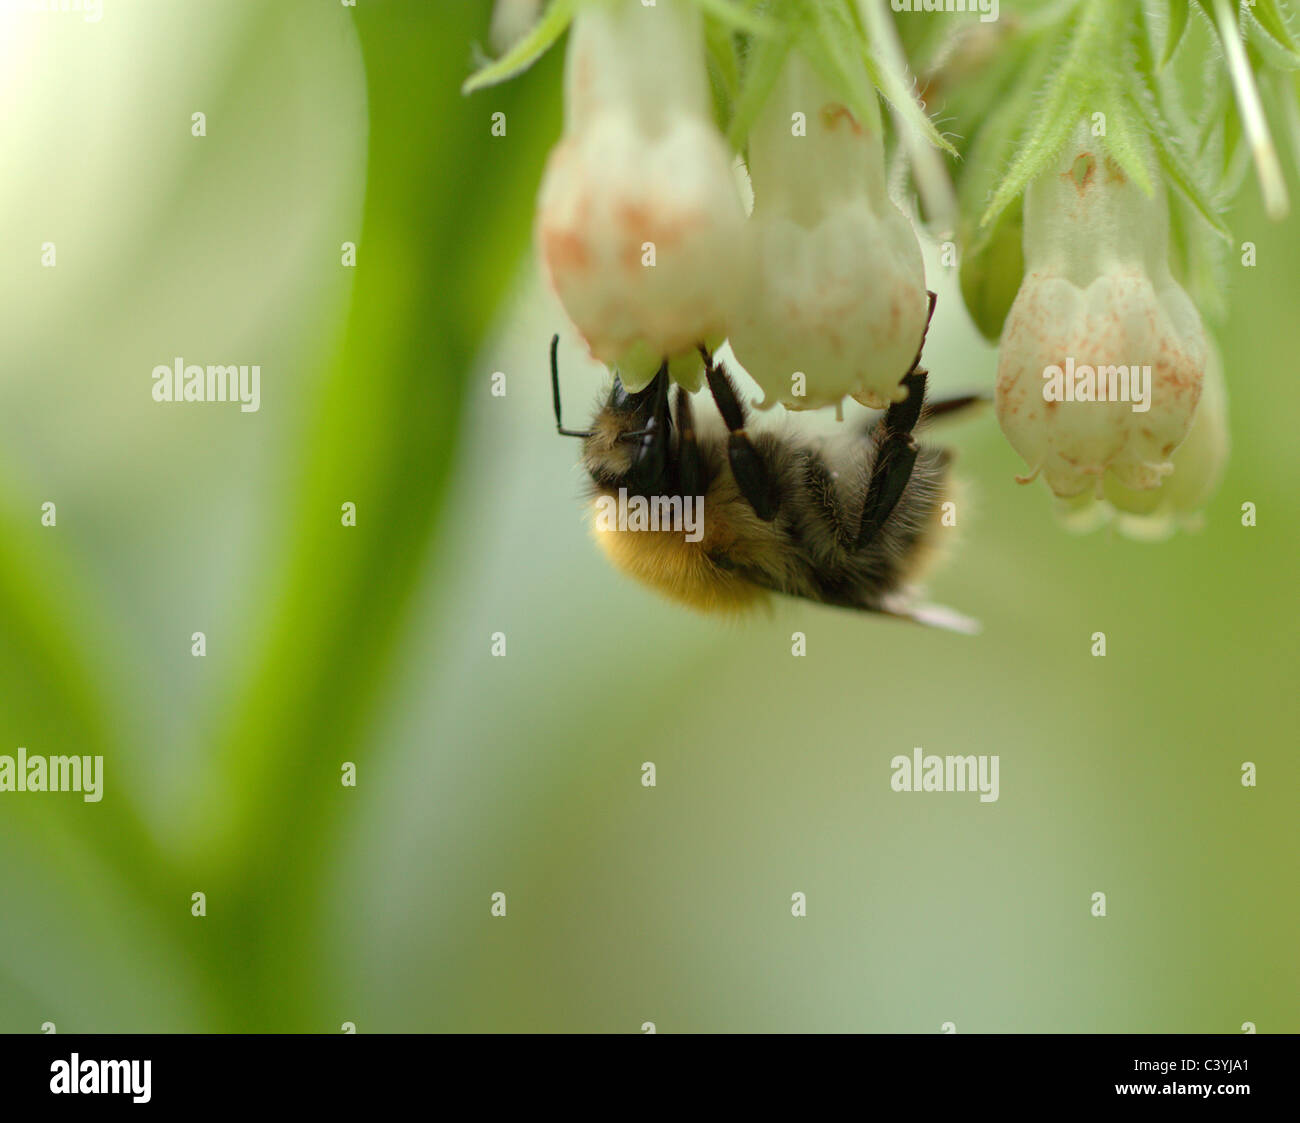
column 528, row 50
column 1260, row 23
column 890, row 81
column 1231, row 137
column 763, row 67
column 1178, row 171
column 1046, row 139
column 1271, row 51
column 740, row 19
column 992, row 268
column 905, row 104
column 1216, row 101
column 1196, row 257
column 1265, row 13
column 1128, row 146
column 994, row 142
column 1289, row 98
column 722, row 57
column 1177, row 26
column 1060, row 107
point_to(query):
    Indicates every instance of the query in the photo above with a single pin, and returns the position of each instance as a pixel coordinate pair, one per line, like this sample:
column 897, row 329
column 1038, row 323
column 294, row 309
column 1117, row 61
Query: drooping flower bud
column 1103, row 352
column 1199, row 464
column 992, row 269
column 837, row 293
column 639, row 222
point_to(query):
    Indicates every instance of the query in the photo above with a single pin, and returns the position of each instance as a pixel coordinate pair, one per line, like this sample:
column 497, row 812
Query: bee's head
column 631, row 438
column 629, row 443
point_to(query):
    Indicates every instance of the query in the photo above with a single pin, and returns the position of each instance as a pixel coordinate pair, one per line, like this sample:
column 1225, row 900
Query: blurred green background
column 522, row 774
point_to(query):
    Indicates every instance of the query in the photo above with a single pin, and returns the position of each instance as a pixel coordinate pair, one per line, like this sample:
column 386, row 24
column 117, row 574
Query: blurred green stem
column 447, row 214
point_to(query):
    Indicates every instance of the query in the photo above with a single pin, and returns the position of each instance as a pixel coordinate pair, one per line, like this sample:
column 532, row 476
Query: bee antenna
column 555, row 375
column 555, row 391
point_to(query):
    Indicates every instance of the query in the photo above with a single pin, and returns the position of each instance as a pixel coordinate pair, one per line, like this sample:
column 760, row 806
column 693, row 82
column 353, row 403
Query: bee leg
column 940, row 407
column 896, row 452
column 752, row 476
column 929, row 315
column 690, row 468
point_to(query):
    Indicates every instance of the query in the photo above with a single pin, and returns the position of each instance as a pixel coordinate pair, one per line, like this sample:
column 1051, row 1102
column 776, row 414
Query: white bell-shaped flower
column 836, row 304
column 639, row 221
column 1103, row 353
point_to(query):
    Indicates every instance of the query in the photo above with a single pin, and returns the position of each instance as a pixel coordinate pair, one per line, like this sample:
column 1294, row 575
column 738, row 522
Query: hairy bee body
column 807, row 550
column 734, row 516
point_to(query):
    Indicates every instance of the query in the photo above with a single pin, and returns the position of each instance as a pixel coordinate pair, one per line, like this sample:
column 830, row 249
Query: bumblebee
column 852, row 524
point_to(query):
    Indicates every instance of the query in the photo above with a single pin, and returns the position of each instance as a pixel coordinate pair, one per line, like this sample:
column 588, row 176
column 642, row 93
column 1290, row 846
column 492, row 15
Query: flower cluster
column 1089, row 243
column 642, row 233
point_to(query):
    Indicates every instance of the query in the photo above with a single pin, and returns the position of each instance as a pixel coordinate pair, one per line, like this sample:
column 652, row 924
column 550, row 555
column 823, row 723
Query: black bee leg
column 901, row 417
column 929, row 315
column 907, row 418
column 555, row 394
column 896, row 449
column 690, row 468
column 752, row 476
column 896, row 452
column 939, row 407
